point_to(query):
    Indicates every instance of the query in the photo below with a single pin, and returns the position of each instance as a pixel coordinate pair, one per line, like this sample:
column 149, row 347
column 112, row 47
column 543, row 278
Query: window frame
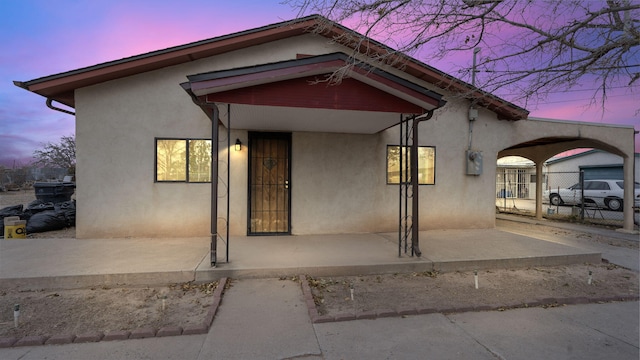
column 187, row 179
column 404, row 183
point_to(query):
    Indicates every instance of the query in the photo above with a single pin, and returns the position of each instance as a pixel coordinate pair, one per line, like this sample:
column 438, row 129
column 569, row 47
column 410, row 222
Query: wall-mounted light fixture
column 238, row 145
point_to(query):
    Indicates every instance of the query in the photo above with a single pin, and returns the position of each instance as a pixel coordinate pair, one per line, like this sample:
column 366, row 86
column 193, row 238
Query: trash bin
column 54, row 192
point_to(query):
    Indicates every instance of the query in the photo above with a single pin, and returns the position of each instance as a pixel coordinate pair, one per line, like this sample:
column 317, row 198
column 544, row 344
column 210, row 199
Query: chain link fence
column 570, row 196
column 516, row 190
column 566, row 196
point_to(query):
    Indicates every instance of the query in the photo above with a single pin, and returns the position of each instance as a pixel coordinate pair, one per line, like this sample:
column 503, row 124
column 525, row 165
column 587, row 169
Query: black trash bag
column 69, row 210
column 15, row 210
column 47, row 220
column 37, row 206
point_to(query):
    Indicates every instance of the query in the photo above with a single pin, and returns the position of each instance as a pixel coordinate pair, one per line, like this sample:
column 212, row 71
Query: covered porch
column 78, row 263
column 264, row 105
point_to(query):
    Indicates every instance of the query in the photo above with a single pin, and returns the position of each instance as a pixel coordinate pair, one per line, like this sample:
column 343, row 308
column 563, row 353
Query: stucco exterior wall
column 335, row 181
column 338, row 181
column 116, row 126
column 459, row 200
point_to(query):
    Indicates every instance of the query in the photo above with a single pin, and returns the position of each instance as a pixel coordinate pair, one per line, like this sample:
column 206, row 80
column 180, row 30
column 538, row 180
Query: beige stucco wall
column 116, row 126
column 338, row 181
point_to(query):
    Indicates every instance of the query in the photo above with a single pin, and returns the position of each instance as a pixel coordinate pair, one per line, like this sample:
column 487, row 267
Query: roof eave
column 60, row 87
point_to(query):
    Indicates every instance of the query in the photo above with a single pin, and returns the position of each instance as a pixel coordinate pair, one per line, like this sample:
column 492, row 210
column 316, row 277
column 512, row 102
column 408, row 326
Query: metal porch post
column 400, row 192
column 228, row 179
column 214, row 186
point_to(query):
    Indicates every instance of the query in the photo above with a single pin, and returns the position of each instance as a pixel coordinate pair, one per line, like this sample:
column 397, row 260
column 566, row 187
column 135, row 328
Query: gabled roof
column 366, row 101
column 60, row 87
column 313, row 69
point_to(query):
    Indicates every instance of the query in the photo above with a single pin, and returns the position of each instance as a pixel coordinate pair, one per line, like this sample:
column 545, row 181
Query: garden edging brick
column 142, row 333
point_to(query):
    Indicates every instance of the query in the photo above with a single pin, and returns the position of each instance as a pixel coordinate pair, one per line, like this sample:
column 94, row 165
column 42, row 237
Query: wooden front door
column 269, row 187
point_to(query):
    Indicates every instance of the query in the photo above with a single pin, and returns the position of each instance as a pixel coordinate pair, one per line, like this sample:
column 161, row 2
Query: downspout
column 50, row 106
column 214, row 175
column 415, row 204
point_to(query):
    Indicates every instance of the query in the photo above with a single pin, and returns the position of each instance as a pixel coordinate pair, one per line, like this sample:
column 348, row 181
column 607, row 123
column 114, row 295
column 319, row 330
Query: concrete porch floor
column 361, row 254
column 75, row 263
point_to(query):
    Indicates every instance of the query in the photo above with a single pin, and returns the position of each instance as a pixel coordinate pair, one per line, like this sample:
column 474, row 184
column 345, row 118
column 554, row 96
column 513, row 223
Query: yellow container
column 14, row 228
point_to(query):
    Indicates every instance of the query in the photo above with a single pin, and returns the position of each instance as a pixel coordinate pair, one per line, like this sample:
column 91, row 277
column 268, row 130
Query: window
column 183, row 160
column 596, row 185
column 426, row 164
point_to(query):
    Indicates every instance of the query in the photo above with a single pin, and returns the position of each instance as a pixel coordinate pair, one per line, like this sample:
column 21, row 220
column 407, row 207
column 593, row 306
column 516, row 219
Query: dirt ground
column 108, row 309
column 496, row 288
column 103, row 309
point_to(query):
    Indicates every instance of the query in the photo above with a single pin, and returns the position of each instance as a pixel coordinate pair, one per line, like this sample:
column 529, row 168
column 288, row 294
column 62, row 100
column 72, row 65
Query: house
column 594, row 163
column 296, row 154
column 515, row 178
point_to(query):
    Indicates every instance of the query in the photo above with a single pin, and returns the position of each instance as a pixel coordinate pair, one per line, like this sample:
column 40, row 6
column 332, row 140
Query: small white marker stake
column 590, row 279
column 351, row 290
column 16, row 315
column 475, row 277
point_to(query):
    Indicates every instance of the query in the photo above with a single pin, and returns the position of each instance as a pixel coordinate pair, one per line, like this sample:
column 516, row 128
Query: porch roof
column 297, row 95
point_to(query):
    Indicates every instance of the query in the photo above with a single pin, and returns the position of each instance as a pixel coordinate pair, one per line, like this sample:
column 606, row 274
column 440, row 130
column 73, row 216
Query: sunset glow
column 43, row 37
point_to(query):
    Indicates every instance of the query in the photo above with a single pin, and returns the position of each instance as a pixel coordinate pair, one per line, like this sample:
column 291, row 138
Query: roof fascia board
column 51, row 86
column 175, row 55
column 322, row 64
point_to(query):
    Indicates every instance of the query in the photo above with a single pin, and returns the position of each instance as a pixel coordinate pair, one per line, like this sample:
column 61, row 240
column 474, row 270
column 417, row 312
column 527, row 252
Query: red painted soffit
column 306, row 92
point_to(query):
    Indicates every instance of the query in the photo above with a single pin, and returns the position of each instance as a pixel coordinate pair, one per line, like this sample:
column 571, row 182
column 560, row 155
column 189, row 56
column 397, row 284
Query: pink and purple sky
column 45, row 37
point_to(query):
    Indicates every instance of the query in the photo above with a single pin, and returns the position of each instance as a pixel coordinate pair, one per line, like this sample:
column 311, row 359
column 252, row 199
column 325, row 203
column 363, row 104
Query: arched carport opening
column 541, row 149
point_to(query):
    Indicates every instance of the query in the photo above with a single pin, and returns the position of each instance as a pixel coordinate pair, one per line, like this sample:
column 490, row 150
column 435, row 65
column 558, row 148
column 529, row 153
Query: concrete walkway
column 267, row 319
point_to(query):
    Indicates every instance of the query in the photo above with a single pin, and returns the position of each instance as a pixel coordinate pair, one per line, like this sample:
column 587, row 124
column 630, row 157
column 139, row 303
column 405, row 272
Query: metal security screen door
column 269, row 190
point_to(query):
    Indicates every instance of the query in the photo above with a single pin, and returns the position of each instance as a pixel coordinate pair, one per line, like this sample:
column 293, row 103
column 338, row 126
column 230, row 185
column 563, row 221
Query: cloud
column 13, row 150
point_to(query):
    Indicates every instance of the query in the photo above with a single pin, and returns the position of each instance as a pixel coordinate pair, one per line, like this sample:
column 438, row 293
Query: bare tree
column 58, row 155
column 529, row 48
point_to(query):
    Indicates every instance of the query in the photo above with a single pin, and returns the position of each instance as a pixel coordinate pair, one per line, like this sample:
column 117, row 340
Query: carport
column 569, row 135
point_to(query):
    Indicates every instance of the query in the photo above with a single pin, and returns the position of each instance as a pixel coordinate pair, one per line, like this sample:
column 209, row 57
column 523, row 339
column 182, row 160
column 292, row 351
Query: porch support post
column 228, row 179
column 400, row 187
column 627, row 202
column 538, row 189
column 214, row 186
column 415, row 203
